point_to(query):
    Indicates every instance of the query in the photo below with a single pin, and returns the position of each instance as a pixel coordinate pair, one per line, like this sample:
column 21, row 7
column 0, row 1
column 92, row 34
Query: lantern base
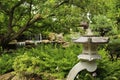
column 90, row 66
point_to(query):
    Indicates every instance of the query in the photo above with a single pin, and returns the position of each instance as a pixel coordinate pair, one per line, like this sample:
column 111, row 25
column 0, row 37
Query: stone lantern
column 89, row 54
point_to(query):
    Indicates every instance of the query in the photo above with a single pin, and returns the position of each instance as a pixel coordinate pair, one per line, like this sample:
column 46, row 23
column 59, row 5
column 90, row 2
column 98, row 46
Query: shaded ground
column 11, row 76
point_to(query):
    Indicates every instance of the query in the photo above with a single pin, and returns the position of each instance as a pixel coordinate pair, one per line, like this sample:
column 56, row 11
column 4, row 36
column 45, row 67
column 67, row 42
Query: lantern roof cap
column 92, row 39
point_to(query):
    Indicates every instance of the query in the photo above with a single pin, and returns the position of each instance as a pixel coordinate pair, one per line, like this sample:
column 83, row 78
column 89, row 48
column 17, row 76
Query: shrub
column 47, row 58
column 6, row 62
column 26, row 65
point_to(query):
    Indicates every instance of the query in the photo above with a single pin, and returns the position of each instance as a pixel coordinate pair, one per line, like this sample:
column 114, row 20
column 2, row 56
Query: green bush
column 25, row 64
column 6, row 62
column 47, row 58
column 113, row 48
column 107, row 70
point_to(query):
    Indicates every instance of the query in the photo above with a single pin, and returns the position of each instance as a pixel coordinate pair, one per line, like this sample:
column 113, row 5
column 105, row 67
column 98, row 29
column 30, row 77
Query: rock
column 7, row 76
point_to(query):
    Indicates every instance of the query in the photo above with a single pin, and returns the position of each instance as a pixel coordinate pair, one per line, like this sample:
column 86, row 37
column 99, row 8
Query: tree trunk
column 4, row 42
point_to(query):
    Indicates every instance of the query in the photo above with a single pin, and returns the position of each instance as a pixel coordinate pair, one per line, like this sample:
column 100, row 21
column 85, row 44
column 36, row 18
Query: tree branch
column 35, row 19
column 11, row 14
column 17, row 19
column 61, row 3
column 21, row 14
column 27, row 25
column 30, row 8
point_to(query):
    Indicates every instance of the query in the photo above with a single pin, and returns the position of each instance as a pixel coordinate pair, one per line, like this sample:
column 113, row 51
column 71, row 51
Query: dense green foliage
column 102, row 25
column 113, row 49
column 55, row 61
column 45, row 58
column 6, row 63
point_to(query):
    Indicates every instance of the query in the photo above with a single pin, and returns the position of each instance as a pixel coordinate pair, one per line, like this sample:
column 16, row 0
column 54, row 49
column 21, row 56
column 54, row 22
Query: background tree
column 32, row 16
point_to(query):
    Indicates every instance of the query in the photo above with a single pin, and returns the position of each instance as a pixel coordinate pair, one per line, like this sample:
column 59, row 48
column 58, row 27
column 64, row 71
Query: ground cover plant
column 54, row 62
